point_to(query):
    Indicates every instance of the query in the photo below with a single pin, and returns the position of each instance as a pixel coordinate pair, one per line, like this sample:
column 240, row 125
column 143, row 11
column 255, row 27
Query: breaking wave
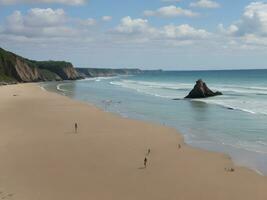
column 242, row 98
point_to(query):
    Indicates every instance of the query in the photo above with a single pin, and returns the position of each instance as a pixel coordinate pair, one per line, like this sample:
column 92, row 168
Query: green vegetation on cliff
column 6, row 59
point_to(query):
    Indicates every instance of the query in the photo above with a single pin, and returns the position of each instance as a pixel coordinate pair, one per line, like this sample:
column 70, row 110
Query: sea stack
column 201, row 90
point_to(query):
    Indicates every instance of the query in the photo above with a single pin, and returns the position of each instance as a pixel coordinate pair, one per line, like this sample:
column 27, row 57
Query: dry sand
column 43, row 159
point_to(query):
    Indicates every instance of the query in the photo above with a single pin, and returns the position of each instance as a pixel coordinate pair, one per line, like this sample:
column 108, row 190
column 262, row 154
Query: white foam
column 60, row 89
column 149, row 90
column 251, row 105
column 185, row 86
column 159, row 85
column 98, row 79
column 242, row 91
column 42, row 87
column 245, row 103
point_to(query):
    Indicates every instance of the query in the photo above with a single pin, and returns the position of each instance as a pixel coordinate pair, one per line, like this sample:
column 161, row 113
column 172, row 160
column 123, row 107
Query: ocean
column 235, row 123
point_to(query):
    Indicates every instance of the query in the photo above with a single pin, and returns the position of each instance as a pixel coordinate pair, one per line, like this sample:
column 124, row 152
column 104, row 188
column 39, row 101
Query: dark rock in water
column 201, row 90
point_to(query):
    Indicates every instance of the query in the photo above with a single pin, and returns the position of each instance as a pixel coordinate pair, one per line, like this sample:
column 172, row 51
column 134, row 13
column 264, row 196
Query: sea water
column 235, row 123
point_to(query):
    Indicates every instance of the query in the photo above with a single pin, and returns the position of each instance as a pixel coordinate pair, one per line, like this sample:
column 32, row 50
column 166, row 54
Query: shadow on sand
column 141, row 167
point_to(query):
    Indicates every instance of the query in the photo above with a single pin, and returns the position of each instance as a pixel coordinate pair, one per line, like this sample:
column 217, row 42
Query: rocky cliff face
column 70, row 73
column 14, row 68
column 24, row 73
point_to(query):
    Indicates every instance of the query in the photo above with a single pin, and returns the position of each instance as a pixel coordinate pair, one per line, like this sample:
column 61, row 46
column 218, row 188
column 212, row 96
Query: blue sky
column 150, row 34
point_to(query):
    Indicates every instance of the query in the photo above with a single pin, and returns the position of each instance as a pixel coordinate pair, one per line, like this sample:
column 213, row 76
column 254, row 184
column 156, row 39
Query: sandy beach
column 42, row 158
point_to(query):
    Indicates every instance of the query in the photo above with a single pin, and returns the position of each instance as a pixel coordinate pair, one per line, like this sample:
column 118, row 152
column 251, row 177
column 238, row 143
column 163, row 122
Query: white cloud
column 254, row 20
column 106, row 18
column 46, row 23
column 43, row 17
column 253, row 23
column 251, row 29
column 87, row 22
column 229, row 30
column 184, row 32
column 142, row 30
column 132, row 26
column 205, row 4
column 170, row 11
column 68, row 2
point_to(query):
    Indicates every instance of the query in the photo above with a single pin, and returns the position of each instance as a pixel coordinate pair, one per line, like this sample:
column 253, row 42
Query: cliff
column 64, row 70
column 103, row 72
column 14, row 68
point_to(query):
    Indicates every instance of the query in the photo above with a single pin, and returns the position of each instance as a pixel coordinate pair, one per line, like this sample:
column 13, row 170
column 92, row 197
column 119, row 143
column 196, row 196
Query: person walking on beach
column 148, row 151
column 76, row 127
column 145, row 162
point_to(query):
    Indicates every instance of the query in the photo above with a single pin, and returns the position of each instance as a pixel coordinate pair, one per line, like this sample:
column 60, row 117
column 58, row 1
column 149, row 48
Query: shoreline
column 235, row 165
column 232, row 154
column 102, row 161
column 61, row 92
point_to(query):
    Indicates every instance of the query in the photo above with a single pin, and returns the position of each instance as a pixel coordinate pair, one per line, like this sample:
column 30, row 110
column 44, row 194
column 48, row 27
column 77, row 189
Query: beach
column 233, row 124
column 43, row 158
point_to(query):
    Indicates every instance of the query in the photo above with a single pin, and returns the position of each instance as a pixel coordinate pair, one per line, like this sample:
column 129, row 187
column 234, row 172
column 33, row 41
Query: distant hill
column 97, row 72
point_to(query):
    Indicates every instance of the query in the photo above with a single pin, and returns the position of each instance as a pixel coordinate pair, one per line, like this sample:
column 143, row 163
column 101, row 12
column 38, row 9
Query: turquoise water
column 235, row 123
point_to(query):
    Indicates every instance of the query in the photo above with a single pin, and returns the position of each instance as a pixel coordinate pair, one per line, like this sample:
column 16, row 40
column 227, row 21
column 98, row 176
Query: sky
column 146, row 34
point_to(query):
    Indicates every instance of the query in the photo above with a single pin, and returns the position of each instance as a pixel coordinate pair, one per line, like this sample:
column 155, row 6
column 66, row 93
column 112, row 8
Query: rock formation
column 201, row 90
